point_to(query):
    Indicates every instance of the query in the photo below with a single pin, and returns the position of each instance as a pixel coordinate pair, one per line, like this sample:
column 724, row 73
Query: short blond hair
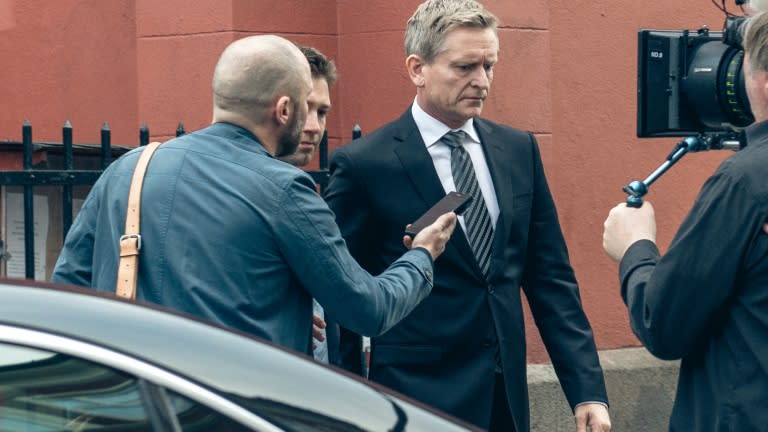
column 758, row 5
column 434, row 19
column 756, row 42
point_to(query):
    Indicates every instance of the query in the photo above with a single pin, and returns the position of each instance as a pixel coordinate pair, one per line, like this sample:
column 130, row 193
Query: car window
column 42, row 391
column 45, row 391
column 193, row 417
column 296, row 419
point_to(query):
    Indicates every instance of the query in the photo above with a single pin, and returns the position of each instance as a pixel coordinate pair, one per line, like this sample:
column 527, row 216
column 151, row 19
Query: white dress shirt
column 431, row 131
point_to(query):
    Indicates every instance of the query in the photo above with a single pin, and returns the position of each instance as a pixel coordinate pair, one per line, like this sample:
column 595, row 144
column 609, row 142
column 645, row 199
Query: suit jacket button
column 491, row 289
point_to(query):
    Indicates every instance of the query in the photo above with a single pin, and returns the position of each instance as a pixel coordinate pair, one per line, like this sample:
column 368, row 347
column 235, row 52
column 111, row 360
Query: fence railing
column 61, row 168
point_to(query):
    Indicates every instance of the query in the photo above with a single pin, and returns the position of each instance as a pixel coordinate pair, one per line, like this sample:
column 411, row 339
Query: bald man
column 231, row 234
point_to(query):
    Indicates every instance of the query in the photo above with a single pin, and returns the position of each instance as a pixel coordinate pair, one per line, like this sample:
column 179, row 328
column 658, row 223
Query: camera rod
column 721, row 141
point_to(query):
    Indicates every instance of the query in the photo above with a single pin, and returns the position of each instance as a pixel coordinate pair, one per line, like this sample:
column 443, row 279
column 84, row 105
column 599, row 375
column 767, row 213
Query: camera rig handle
column 729, row 140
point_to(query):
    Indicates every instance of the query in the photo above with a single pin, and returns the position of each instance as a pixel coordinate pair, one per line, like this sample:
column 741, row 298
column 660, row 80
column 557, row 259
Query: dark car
column 76, row 360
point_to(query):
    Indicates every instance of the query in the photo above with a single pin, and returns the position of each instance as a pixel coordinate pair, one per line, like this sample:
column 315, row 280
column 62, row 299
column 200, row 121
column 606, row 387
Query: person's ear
column 415, row 67
column 764, row 84
column 283, row 110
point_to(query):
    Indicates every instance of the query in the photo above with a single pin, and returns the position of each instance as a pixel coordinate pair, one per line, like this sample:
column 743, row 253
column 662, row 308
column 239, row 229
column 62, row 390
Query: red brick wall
column 567, row 72
column 68, row 60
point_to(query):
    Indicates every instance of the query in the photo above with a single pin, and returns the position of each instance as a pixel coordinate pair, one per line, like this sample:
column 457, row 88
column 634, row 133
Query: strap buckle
column 132, row 236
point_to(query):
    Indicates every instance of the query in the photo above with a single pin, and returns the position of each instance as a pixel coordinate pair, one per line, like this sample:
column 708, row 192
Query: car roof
column 235, row 365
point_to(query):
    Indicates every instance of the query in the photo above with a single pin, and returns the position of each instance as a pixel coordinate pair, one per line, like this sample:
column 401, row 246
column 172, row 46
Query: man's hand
column 765, row 228
column 594, row 416
column 626, row 225
column 317, row 330
column 434, row 237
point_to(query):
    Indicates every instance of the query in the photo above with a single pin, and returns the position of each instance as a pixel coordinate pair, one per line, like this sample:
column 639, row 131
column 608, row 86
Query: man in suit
column 462, row 350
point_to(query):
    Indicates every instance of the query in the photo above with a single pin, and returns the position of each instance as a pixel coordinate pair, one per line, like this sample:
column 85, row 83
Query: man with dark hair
column 463, row 349
column 319, row 100
column 706, row 300
column 325, row 338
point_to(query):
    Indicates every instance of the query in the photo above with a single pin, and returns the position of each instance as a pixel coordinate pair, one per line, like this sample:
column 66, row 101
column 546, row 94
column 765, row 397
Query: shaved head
column 253, row 72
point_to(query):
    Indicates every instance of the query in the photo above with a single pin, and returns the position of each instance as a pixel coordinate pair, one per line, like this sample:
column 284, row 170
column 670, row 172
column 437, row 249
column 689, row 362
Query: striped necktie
column 476, row 218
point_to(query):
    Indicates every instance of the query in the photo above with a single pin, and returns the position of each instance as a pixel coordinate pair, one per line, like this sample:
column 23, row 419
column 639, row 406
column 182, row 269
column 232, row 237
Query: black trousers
column 501, row 417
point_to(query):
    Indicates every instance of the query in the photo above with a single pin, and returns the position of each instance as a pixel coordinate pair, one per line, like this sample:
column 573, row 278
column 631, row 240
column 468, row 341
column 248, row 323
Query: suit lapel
column 416, row 161
column 418, row 166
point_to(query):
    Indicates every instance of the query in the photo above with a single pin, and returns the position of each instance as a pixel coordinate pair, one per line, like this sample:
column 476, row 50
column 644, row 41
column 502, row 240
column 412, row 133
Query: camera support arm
column 730, row 140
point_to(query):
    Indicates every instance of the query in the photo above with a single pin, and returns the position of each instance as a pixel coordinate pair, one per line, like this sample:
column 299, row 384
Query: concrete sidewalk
column 641, row 389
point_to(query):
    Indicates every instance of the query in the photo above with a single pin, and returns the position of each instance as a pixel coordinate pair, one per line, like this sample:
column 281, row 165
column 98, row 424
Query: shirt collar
column 432, row 129
column 240, row 136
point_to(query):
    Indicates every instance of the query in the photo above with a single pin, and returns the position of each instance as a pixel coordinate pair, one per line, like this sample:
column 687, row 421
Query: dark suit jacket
column 443, row 352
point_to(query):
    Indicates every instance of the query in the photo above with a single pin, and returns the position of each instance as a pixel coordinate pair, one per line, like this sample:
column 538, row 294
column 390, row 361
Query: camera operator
column 706, row 300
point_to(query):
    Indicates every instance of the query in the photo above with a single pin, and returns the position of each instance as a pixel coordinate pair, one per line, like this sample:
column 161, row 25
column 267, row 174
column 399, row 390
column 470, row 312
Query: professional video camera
column 691, row 84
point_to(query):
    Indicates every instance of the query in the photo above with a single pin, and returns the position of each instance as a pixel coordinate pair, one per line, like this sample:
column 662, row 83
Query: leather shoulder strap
column 130, row 241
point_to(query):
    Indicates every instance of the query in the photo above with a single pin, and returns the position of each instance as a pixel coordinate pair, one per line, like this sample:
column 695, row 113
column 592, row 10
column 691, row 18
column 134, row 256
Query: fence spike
column 66, row 194
column 106, row 145
column 66, row 141
column 144, row 134
column 26, row 138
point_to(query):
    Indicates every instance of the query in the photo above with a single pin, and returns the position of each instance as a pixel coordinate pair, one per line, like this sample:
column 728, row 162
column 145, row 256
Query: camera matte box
column 679, row 83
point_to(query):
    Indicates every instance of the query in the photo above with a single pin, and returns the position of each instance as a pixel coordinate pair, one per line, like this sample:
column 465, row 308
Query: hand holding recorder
column 434, row 228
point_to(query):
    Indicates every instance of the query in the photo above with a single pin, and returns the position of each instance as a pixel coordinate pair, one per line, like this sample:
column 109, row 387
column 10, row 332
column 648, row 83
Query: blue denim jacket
column 232, row 235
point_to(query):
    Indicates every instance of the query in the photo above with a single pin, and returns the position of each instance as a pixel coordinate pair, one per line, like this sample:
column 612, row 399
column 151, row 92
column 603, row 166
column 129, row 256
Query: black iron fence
column 66, row 166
